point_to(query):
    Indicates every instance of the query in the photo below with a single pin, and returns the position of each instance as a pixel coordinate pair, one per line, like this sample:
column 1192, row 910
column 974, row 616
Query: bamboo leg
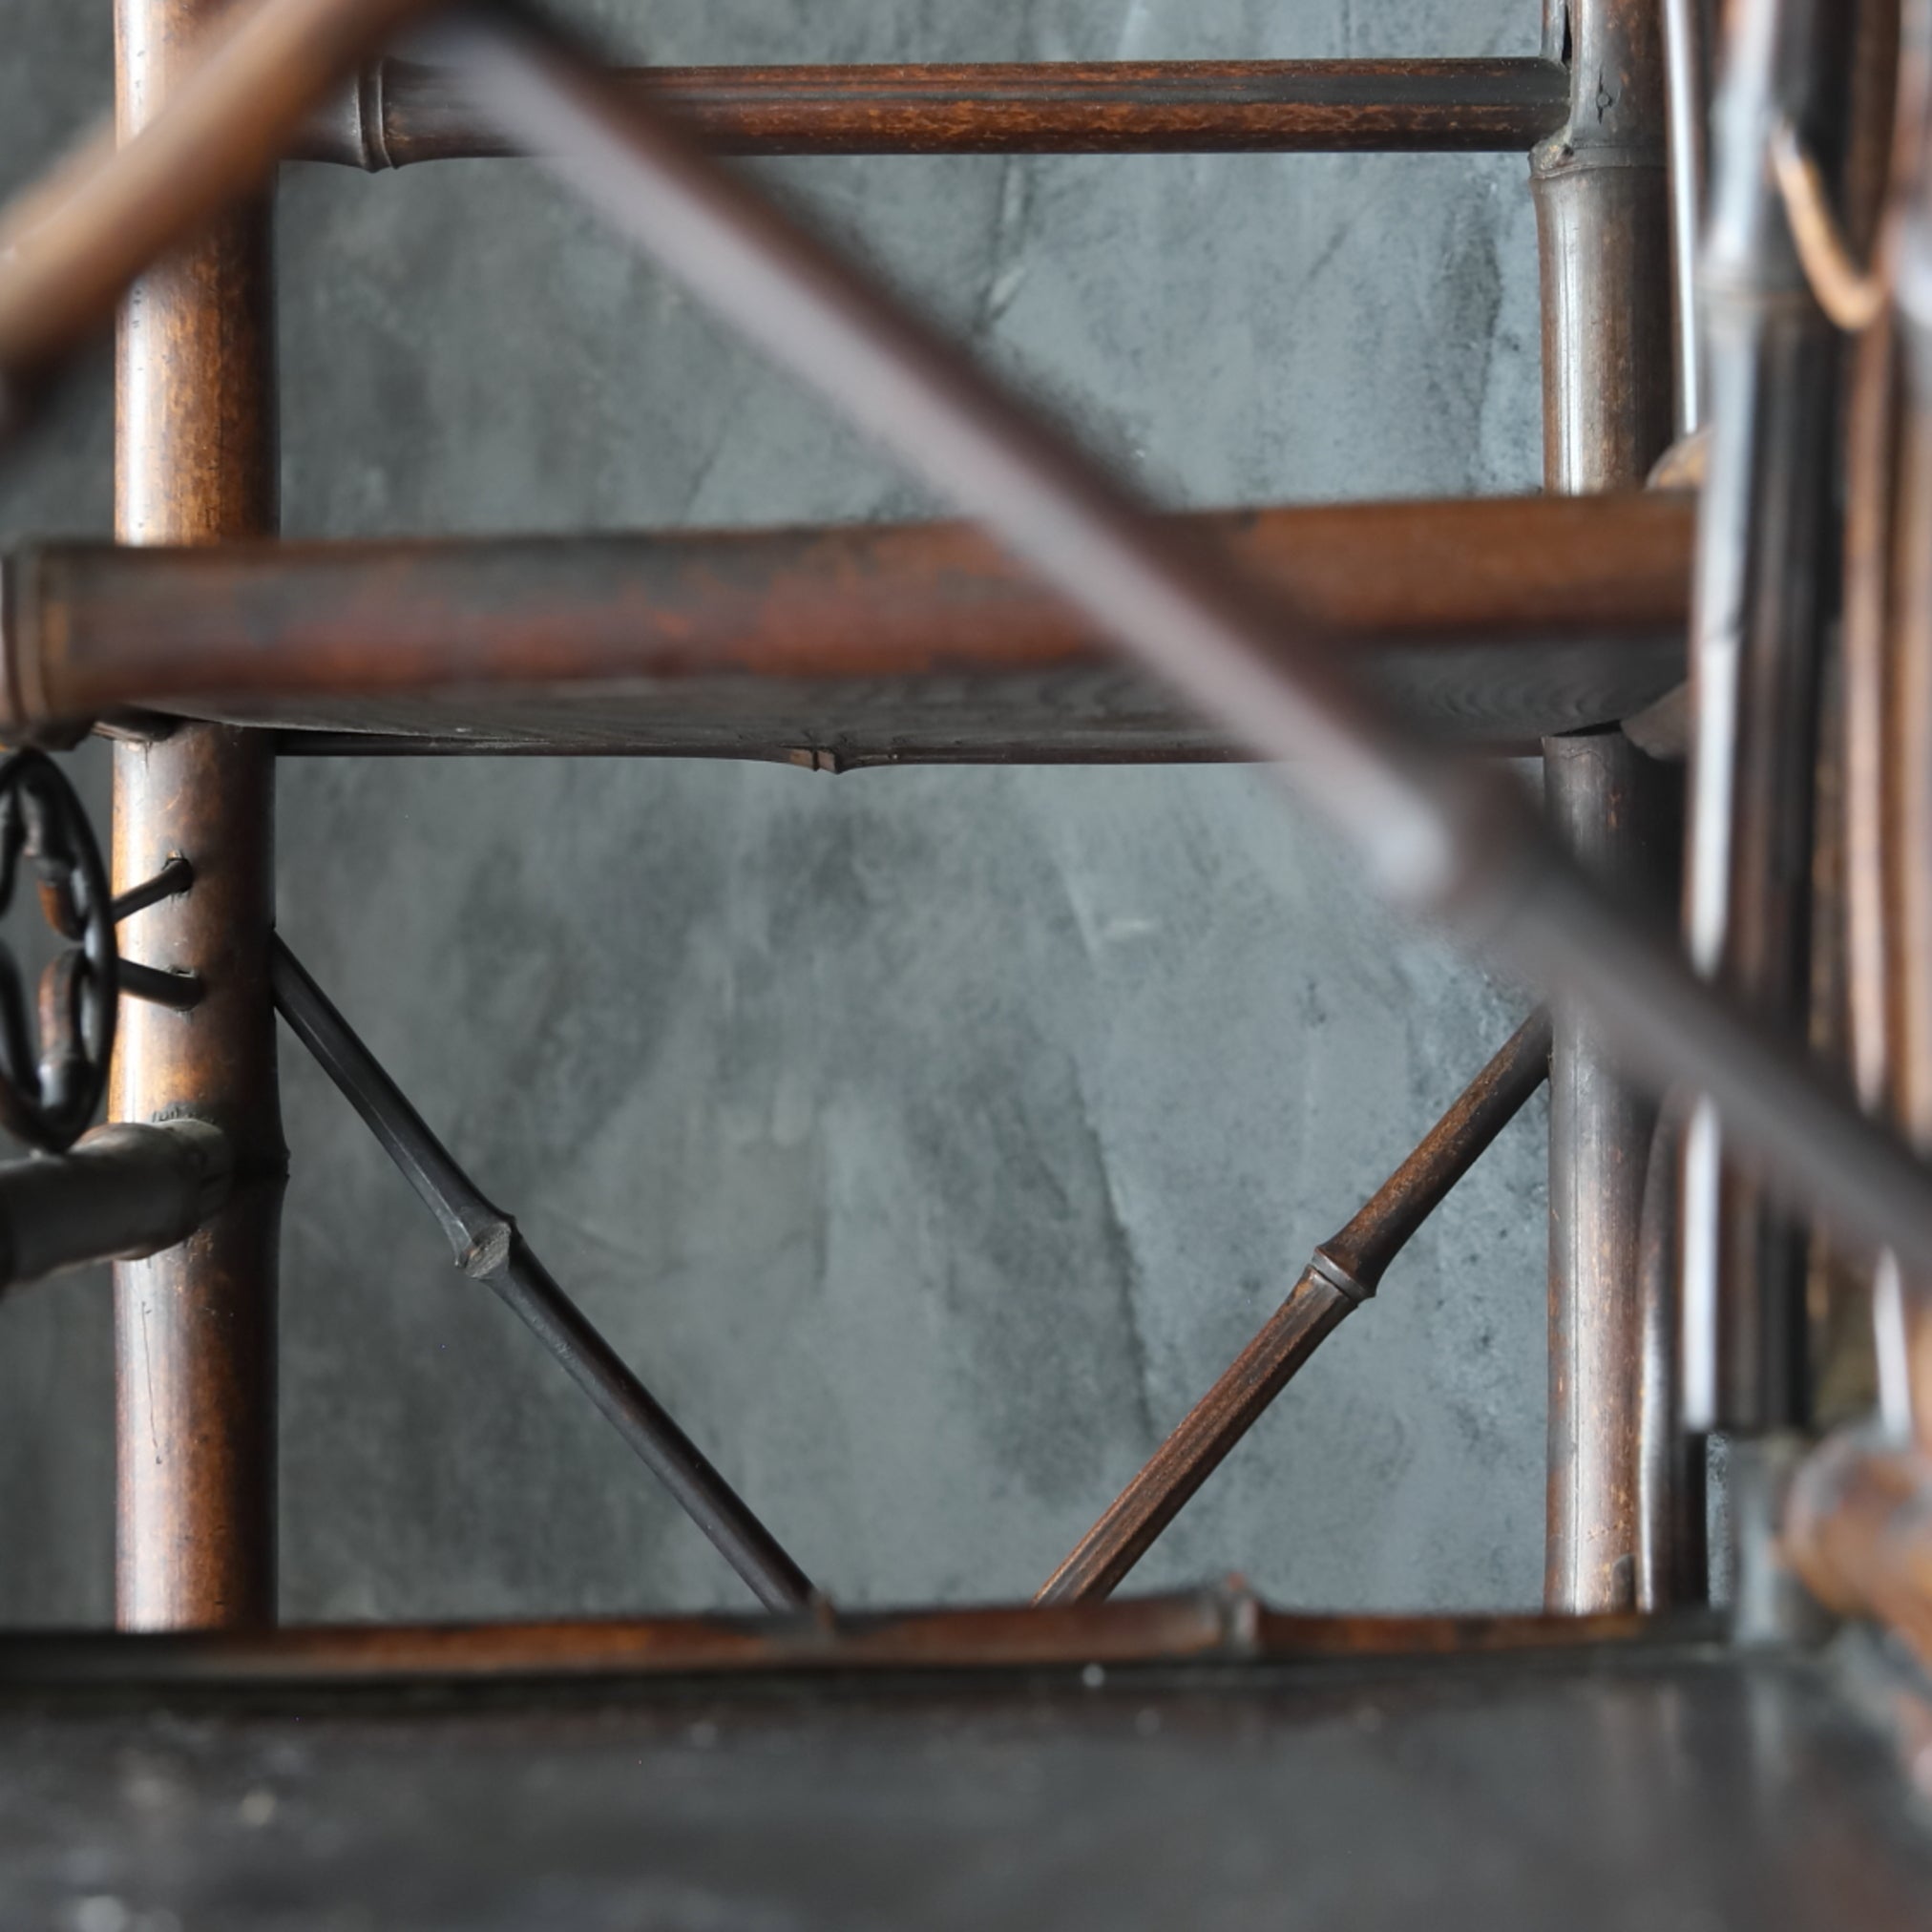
column 194, row 1327
column 1604, row 227
column 1763, row 606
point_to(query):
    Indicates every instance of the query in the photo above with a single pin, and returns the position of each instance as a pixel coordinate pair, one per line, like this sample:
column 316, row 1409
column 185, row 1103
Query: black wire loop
column 52, row 1079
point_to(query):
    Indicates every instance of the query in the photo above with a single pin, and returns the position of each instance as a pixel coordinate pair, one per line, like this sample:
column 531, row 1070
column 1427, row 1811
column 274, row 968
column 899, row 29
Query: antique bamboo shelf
column 1738, row 1109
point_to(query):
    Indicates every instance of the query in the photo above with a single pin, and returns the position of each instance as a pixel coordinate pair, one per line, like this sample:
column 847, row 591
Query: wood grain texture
column 1610, row 1350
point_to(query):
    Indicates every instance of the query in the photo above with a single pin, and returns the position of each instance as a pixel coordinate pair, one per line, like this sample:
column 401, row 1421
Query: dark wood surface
column 1227, row 1623
column 1667, row 1787
column 1482, row 700
column 397, row 113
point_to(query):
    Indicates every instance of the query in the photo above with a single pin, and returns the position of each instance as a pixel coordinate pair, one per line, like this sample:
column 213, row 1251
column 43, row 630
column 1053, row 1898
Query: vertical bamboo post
column 1762, row 606
column 1603, row 223
column 194, row 462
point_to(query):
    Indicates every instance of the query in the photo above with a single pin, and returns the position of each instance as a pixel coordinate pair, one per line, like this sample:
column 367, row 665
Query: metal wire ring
column 52, row 1079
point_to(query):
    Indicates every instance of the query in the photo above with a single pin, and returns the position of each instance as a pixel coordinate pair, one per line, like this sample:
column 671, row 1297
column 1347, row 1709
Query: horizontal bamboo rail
column 1211, row 1626
column 397, row 113
column 1439, row 835
column 1493, row 619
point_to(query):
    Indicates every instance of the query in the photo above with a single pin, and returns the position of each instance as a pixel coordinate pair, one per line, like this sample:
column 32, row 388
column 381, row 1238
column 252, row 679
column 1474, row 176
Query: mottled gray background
column 928, row 1139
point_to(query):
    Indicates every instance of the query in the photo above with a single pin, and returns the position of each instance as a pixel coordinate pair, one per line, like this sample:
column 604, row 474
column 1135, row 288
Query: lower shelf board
column 1602, row 1788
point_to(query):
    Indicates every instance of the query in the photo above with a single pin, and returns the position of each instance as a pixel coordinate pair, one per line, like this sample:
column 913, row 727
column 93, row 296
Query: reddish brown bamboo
column 1489, row 616
column 1857, row 977
column 1345, row 1271
column 194, row 1327
column 1603, row 224
column 1223, row 1627
column 396, row 112
column 1858, row 1532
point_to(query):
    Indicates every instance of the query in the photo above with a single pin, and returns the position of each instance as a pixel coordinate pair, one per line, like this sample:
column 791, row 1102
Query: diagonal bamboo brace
column 488, row 1248
column 1343, row 1273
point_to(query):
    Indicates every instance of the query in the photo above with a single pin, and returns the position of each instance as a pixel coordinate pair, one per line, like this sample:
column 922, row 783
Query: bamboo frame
column 1440, row 835
column 1603, row 227
column 1490, row 620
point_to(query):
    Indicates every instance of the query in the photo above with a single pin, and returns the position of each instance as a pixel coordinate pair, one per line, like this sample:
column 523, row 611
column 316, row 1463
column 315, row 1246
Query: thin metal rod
column 1432, row 834
column 160, row 986
column 488, row 1248
column 1345, row 1271
column 395, row 112
column 169, row 883
column 121, row 1191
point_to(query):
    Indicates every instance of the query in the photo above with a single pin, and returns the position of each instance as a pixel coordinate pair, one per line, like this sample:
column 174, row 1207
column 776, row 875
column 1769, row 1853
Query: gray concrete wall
column 928, row 1140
